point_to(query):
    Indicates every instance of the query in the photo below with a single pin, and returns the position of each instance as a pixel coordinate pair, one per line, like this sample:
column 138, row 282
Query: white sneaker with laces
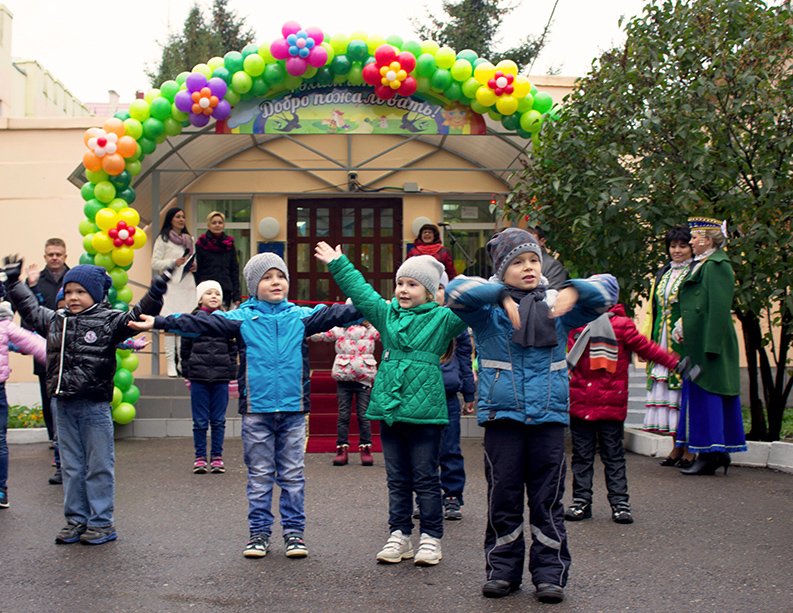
column 396, row 548
column 429, row 552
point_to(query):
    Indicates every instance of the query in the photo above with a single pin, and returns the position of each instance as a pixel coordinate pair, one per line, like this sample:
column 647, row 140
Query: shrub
column 21, row 416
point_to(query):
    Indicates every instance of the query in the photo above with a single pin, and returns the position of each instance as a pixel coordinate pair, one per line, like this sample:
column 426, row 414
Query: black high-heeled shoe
column 705, row 464
column 683, row 463
column 669, row 461
column 722, row 459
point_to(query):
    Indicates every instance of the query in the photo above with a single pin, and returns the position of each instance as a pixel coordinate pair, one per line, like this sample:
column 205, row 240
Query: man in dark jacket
column 552, row 269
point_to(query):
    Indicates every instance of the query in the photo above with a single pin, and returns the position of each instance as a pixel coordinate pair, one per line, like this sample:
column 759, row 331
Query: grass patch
column 21, row 416
column 786, row 433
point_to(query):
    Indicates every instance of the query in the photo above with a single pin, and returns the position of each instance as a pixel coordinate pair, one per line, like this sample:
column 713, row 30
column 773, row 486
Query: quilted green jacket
column 409, row 385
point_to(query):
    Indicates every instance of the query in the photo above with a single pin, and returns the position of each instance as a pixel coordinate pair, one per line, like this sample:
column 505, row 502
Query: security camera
column 352, row 176
column 352, row 181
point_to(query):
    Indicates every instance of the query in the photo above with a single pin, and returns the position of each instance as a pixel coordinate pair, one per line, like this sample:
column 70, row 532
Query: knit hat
column 444, row 279
column 203, row 287
column 423, row 268
column 508, row 244
column 6, row 312
column 258, row 265
column 608, row 286
column 60, row 295
column 94, row 279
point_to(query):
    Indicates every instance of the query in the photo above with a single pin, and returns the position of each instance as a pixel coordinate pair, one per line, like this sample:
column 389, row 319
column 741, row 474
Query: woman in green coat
column 711, row 424
column 408, row 394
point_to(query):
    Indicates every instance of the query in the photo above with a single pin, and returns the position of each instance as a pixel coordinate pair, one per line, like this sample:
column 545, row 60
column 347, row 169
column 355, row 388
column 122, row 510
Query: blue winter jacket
column 525, row 384
column 458, row 376
column 276, row 352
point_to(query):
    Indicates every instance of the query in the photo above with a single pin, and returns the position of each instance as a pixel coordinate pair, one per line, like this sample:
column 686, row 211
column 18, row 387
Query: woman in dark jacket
column 428, row 242
column 217, row 259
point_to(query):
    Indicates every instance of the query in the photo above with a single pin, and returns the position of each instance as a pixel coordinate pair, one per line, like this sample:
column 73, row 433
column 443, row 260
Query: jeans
column 344, row 392
column 607, row 436
column 274, row 450
column 208, row 402
column 85, row 440
column 3, row 439
column 411, row 454
column 451, row 458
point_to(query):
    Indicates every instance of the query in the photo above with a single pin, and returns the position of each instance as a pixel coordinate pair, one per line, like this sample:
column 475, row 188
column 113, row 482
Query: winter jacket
column 458, row 376
column 209, row 359
column 354, row 359
column 181, row 296
column 438, row 251
column 408, row 386
column 599, row 394
column 81, row 347
column 524, row 384
column 24, row 341
column 46, row 291
column 276, row 369
column 219, row 265
column 708, row 331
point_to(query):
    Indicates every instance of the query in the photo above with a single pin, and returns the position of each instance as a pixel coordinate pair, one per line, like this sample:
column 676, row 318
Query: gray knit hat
column 423, row 268
column 258, row 265
column 508, row 244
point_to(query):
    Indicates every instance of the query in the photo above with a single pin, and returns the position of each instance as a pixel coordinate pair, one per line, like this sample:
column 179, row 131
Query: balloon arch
column 391, row 66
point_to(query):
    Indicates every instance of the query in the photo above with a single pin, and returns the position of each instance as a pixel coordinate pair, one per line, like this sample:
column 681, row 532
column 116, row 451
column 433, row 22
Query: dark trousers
column 606, row 436
column 452, row 463
column 46, row 410
column 208, row 402
column 411, row 455
column 530, row 459
column 345, row 390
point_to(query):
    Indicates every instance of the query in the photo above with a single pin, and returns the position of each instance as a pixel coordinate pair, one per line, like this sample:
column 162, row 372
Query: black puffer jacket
column 209, row 359
column 81, row 348
column 220, row 266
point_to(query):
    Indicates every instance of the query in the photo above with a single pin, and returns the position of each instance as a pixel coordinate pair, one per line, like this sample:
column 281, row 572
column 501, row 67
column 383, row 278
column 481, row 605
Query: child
column 81, row 360
column 408, row 395
column 25, row 342
column 209, row 363
column 599, row 405
column 458, row 377
column 522, row 404
column 276, row 381
column 354, row 369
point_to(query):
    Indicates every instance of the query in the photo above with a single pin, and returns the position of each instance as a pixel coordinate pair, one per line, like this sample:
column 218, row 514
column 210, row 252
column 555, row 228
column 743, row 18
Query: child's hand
column 468, row 408
column 565, row 301
column 511, row 308
column 141, row 343
column 145, row 324
column 325, row 253
column 33, row 273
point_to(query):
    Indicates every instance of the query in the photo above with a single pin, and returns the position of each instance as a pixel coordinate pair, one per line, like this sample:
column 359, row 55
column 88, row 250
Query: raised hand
column 565, row 301
column 33, row 273
column 325, row 253
column 511, row 308
column 145, row 324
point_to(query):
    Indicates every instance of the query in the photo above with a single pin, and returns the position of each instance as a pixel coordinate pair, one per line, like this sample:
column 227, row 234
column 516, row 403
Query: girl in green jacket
column 408, row 396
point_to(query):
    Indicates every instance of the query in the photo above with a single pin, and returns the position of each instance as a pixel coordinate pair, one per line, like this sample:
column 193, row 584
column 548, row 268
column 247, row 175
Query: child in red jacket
column 598, row 358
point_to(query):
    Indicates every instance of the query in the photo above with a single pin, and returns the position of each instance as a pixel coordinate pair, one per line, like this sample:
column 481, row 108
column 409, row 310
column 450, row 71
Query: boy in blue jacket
column 276, row 378
column 523, row 405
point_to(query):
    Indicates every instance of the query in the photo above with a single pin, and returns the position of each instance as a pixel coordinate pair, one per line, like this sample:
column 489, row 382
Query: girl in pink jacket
column 24, row 342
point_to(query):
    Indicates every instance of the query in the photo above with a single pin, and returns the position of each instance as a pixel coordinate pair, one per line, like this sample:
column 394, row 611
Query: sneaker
column 57, row 477
column 70, row 533
column 367, row 459
column 217, row 466
column 98, row 535
column 200, row 466
column 3, row 499
column 580, row 509
column 429, row 552
column 550, row 593
column 257, row 547
column 295, row 546
column 396, row 548
column 451, row 508
column 621, row 513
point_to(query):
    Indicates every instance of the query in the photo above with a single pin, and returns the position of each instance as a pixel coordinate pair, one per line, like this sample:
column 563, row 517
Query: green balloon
column 221, row 72
column 510, row 122
column 95, row 176
column 422, row 84
column 254, row 64
column 121, row 180
column 139, row 109
column 324, row 76
column 412, row 47
column 274, row 73
column 147, row 145
column 357, row 50
column 130, row 362
column 160, row 108
column 478, row 108
column 91, row 208
column 440, row 80
column 132, row 394
column 123, row 379
column 111, row 297
column 426, row 65
column 469, row 88
column 453, row 92
column 124, row 294
column 178, row 115
column 128, row 195
column 355, row 76
column 87, row 227
column 182, row 77
column 250, row 49
column 152, row 129
column 259, row 87
column 104, row 260
column 241, row 82
column 395, row 41
column 121, row 306
column 531, row 122
column 117, row 204
column 123, row 414
column 87, row 190
column 88, row 244
column 468, row 55
column 340, row 65
column 172, row 127
column 119, row 277
column 117, row 397
column 104, row 191
column 133, row 128
column 233, row 61
column 542, row 102
column 122, row 115
column 169, row 89
column 86, row 258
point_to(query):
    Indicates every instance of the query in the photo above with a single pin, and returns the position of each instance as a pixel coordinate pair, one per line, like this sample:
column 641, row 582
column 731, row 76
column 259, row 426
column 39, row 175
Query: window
column 471, row 224
column 238, row 225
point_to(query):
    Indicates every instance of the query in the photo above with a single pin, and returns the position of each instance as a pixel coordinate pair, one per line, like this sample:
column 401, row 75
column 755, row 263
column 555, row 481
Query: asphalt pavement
column 699, row 543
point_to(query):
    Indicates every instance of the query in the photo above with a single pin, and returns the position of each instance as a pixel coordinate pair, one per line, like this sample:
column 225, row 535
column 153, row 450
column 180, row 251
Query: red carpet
column 324, row 415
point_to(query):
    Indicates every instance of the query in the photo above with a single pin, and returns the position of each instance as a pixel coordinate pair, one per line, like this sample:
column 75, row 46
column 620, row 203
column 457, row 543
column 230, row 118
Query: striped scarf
column 603, row 346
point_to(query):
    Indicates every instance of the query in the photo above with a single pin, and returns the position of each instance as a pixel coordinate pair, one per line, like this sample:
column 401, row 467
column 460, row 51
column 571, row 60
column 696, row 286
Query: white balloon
column 269, row 228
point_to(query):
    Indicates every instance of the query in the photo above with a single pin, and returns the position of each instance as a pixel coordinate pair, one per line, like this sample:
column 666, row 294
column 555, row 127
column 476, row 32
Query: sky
column 93, row 46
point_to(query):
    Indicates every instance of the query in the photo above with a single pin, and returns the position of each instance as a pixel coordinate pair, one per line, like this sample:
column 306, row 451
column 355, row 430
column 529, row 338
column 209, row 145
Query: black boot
column 705, row 464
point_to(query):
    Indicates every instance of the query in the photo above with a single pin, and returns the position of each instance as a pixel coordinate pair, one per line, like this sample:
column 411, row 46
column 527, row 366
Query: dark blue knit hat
column 508, row 244
column 93, row 278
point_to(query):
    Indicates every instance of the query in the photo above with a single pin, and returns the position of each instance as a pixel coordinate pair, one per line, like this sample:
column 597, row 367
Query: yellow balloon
column 102, row 242
column 485, row 96
column 106, row 218
column 130, row 216
column 506, row 105
column 151, row 95
column 123, row 256
column 374, row 42
column 522, row 86
column 507, row 67
column 139, row 238
column 484, row 72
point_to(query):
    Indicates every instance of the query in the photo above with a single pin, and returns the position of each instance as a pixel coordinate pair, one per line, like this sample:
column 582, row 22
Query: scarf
column 603, row 347
column 428, row 248
column 217, row 243
column 537, row 329
column 184, row 239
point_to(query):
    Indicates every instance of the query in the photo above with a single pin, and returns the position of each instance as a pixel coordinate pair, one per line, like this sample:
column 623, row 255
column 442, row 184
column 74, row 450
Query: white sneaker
column 396, row 548
column 429, row 552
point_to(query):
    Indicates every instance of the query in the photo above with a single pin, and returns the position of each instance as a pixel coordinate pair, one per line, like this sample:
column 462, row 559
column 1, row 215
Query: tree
column 691, row 116
column 474, row 24
column 200, row 40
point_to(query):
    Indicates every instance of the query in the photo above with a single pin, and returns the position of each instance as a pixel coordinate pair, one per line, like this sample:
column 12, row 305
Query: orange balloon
column 197, row 109
column 89, row 134
column 113, row 164
column 127, row 146
column 91, row 162
column 195, row 96
column 114, row 125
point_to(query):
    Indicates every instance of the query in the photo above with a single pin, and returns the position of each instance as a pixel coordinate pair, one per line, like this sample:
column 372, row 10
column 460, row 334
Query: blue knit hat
column 508, row 244
column 608, row 287
column 94, row 279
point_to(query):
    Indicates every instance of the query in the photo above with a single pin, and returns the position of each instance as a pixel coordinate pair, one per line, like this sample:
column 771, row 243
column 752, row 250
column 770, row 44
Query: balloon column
column 391, row 66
